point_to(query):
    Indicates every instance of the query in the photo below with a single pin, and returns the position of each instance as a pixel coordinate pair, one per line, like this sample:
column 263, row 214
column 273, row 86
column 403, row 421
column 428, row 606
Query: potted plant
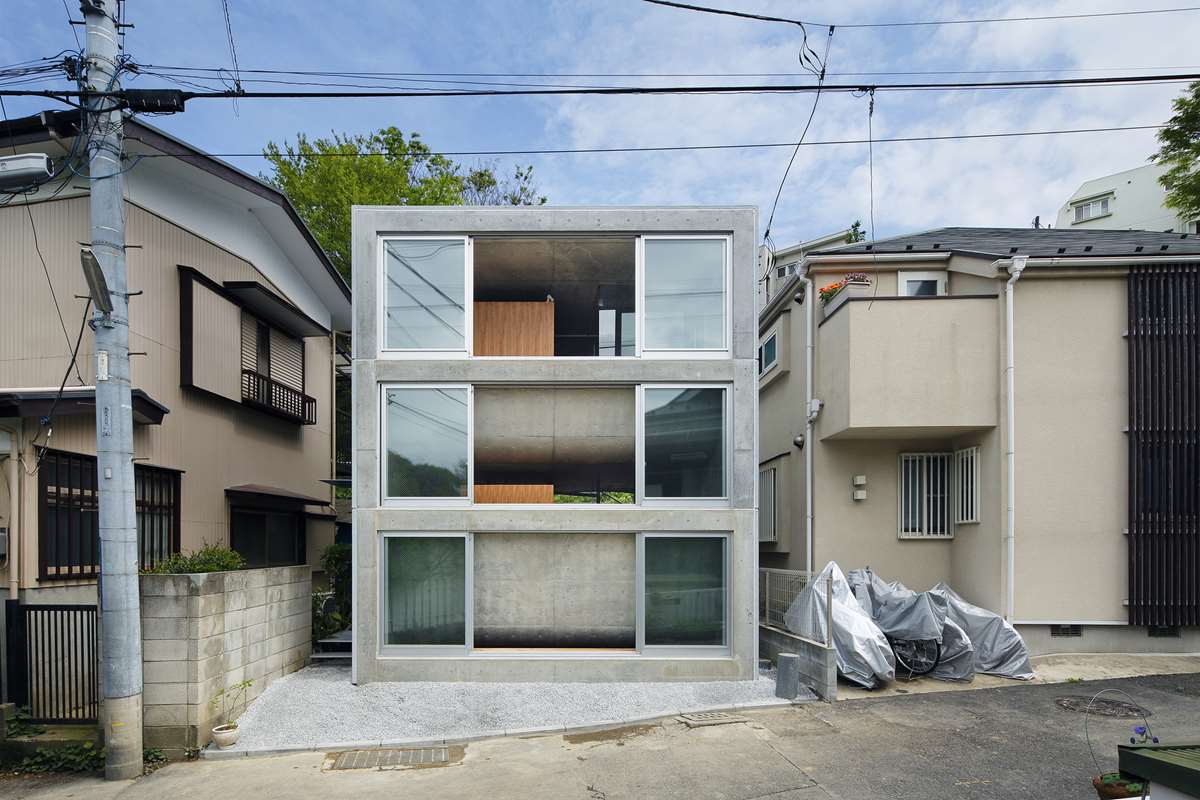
column 1112, row 784
column 225, row 703
column 834, row 294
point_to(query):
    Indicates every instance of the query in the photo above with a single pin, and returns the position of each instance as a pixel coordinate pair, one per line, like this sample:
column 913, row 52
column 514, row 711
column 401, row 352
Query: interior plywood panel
column 514, row 328
column 514, row 493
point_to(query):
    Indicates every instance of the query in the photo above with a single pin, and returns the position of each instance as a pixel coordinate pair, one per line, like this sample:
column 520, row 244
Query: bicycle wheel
column 916, row 656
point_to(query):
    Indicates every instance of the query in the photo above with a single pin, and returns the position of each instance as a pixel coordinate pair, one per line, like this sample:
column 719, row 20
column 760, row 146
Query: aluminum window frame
column 966, row 492
column 948, row 511
column 384, row 352
column 1102, row 206
column 938, row 275
column 640, row 451
column 642, row 351
column 390, row 501
column 386, row 651
column 768, row 507
column 676, row 650
column 764, row 368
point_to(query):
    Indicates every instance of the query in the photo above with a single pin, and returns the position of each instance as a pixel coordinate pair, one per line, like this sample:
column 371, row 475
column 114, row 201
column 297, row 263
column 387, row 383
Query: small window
column 1091, row 209
column 685, row 295
column 267, row 538
column 768, row 354
column 966, row 489
column 766, row 505
column 924, row 497
column 684, row 442
column 425, row 294
column 921, row 284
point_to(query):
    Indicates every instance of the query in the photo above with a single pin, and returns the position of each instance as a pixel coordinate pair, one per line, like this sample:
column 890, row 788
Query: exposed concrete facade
column 927, row 375
column 582, row 527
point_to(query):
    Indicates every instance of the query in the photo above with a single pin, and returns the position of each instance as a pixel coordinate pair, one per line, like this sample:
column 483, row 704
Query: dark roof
column 257, row 491
column 75, row 400
column 37, row 128
column 1032, row 242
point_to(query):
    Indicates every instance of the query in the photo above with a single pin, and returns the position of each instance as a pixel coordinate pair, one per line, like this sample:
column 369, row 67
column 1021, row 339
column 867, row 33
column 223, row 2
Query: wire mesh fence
column 777, row 589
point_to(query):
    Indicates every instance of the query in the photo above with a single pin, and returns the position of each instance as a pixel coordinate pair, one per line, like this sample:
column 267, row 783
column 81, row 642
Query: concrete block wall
column 204, row 632
column 817, row 662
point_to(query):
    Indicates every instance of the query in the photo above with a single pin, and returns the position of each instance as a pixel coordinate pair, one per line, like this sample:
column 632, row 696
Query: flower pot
column 1117, row 789
column 225, row 735
column 848, row 290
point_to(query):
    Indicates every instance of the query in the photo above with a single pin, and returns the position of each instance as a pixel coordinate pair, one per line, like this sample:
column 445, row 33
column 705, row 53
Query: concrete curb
column 211, row 753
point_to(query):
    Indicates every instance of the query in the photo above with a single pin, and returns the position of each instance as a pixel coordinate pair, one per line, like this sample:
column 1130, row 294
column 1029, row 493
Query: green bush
column 85, row 757
column 209, row 558
column 19, row 725
column 336, row 563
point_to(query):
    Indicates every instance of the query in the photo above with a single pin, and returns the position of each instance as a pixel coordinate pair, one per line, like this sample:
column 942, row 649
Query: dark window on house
column 68, row 515
column 267, row 538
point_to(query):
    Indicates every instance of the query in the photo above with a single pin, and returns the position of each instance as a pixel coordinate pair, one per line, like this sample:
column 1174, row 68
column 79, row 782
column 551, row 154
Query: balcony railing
column 276, row 398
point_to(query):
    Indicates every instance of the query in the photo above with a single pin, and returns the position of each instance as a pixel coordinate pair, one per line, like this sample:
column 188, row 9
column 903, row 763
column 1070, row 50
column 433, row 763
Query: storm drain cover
column 702, row 718
column 1101, row 707
column 391, row 759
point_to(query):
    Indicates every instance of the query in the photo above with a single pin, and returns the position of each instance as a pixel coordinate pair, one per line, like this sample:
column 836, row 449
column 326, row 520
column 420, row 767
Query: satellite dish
column 97, row 286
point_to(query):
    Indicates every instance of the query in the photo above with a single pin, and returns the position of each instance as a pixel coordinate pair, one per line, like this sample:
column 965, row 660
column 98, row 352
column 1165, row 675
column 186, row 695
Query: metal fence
column 53, row 661
column 777, row 588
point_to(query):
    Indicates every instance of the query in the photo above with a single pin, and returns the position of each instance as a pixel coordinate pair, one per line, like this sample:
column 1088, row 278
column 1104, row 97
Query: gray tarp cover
column 863, row 653
column 902, row 613
column 999, row 649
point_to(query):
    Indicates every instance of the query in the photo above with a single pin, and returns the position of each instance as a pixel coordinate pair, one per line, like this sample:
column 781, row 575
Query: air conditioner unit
column 26, row 169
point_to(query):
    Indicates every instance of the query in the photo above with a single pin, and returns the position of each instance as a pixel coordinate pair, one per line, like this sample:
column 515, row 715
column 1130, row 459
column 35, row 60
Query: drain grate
column 1101, row 707
column 703, row 718
column 390, row 759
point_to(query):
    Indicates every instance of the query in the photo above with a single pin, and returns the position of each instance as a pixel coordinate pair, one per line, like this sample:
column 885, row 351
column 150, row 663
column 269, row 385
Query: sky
column 913, row 186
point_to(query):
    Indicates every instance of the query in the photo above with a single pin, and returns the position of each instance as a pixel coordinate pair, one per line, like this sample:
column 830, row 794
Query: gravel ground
column 318, row 707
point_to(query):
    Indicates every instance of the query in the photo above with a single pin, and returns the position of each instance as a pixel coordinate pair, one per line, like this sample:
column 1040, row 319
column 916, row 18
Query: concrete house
column 1132, row 199
column 231, row 373
column 554, row 444
column 892, row 437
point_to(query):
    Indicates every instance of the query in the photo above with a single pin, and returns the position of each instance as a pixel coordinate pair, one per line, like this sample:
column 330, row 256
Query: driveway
column 1003, row 742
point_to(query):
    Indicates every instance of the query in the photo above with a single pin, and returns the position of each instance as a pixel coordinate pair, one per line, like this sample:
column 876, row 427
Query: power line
column 919, row 23
column 237, row 75
column 71, row 22
column 672, row 148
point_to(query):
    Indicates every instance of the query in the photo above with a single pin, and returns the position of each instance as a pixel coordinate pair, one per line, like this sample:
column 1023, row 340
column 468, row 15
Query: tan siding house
column 226, row 449
column 909, row 440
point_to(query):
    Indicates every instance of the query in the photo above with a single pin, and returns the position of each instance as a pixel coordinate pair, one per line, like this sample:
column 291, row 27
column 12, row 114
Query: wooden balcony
column 273, row 397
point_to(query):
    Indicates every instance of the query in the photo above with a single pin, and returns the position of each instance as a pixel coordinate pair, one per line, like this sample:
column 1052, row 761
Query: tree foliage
column 324, row 177
column 1179, row 152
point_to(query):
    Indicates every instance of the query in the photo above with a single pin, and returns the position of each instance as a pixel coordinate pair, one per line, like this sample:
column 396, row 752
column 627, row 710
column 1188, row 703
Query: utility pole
column 120, row 605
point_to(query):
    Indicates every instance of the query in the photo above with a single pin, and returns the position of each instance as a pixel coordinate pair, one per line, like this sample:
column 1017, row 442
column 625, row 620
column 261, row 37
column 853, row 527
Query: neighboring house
column 776, row 271
column 1129, row 200
column 554, row 455
column 231, row 369
column 909, row 450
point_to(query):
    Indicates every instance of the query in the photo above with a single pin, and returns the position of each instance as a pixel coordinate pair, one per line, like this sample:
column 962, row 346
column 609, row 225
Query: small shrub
column 20, row 726
column 225, row 702
column 209, row 558
column 326, row 620
column 85, row 757
column 152, row 759
column 336, row 563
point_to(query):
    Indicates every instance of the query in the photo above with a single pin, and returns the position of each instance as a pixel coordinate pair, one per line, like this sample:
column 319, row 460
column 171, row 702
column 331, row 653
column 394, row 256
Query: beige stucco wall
column 216, row 442
column 1071, row 409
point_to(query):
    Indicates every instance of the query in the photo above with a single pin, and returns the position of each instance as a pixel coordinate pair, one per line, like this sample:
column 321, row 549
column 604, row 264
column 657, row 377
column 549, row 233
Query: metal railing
column 276, row 398
column 53, row 661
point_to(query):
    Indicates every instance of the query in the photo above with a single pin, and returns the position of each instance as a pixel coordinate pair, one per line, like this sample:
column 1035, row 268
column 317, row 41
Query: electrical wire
column 920, row 23
column 48, row 421
column 669, row 148
column 71, row 22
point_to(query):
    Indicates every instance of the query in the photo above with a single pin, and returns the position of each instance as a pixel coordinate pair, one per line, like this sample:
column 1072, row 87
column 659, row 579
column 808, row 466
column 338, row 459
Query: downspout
column 14, row 511
column 810, row 410
column 1010, row 427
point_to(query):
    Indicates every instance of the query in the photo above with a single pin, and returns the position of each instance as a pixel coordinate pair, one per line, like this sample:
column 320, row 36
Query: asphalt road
column 987, row 743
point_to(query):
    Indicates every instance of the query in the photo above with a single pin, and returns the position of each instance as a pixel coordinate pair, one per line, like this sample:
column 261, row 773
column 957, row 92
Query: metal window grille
column 766, row 505
column 777, row 590
column 68, row 515
column 924, row 496
column 966, row 485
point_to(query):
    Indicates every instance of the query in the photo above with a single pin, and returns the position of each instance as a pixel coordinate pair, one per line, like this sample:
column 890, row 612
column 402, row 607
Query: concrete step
column 331, row 658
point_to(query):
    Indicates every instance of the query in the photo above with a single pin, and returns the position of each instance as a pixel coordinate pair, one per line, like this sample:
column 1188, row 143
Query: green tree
column 1179, row 152
column 324, row 177
column 857, row 234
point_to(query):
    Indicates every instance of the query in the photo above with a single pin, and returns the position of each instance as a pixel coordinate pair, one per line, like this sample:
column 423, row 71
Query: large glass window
column 685, row 294
column 685, row 590
column 685, row 442
column 425, row 294
column 427, row 441
column 425, row 590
